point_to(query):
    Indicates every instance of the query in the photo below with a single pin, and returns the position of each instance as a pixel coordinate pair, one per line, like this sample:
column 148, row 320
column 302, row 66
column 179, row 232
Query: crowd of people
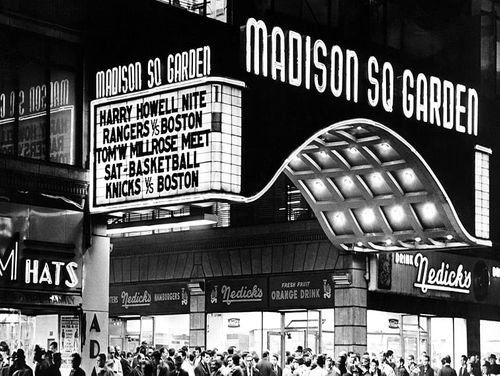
column 147, row 361
column 46, row 362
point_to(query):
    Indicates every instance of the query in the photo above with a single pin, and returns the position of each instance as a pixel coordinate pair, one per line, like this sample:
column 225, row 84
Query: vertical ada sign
column 170, row 144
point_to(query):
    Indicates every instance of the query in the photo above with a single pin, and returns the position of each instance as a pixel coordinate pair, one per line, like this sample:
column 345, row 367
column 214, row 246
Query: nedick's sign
column 302, row 61
column 437, row 275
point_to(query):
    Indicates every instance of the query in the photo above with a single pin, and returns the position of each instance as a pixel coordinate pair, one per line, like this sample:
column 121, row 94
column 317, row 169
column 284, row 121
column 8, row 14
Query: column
column 197, row 318
column 95, row 294
column 350, row 306
column 473, row 330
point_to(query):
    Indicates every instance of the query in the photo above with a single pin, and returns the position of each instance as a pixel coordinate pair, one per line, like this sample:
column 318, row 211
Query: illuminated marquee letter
column 336, row 71
column 31, row 271
column 472, row 115
column 256, row 31
column 448, row 104
column 459, row 109
column 373, row 93
column 319, row 83
column 408, row 99
column 434, row 100
column 10, row 261
column 387, row 86
column 352, row 76
column 278, row 45
column 294, row 58
column 421, row 97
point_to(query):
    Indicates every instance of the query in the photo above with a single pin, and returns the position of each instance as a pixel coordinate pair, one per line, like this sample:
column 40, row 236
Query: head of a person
column 229, row 360
column 365, row 360
column 289, row 360
column 57, row 359
column 178, row 360
column 374, row 364
column 492, row 359
column 236, row 359
column 205, row 357
column 446, row 360
column 426, row 359
column 485, row 368
column 230, row 350
column 215, row 365
column 156, row 357
column 76, row 360
column 390, row 355
column 401, row 362
column 53, row 346
column 39, row 354
column 463, row 360
column 274, row 359
column 101, row 360
column 321, row 360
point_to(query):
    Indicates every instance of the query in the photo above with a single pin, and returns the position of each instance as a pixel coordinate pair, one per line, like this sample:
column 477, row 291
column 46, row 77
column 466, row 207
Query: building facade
column 266, row 174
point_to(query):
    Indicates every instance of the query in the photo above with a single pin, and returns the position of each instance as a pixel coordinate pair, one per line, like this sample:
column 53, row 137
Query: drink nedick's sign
column 302, row 61
column 438, row 275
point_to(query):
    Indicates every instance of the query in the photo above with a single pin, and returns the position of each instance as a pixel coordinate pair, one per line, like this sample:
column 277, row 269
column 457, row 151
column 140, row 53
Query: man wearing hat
column 495, row 367
column 21, row 369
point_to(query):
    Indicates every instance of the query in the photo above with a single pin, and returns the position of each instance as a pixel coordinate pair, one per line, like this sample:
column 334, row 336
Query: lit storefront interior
column 408, row 334
column 277, row 332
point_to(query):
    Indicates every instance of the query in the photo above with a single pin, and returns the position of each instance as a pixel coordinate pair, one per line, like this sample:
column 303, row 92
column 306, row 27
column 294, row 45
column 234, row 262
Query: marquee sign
column 173, row 140
column 438, row 275
column 26, row 270
column 301, row 61
column 149, row 299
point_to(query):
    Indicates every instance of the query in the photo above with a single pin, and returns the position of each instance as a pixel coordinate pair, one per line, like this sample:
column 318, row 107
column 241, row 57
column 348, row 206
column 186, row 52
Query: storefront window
column 449, row 337
column 259, row 331
column 404, row 334
column 490, row 337
column 156, row 331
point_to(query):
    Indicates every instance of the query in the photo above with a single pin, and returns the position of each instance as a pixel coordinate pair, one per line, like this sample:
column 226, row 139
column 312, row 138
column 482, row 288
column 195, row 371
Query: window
column 216, row 9
column 38, row 98
column 482, row 192
column 297, row 207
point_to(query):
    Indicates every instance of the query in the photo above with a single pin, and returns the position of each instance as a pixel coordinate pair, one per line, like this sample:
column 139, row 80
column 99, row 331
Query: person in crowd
column 471, row 370
column 113, row 362
column 197, row 356
column 215, row 367
column 446, row 369
column 319, row 370
column 401, row 370
column 55, row 367
column 384, row 365
column 414, row 369
column 485, row 368
column 158, row 368
column 178, row 370
column 101, row 369
column 364, row 365
column 494, row 366
column 41, row 363
column 390, row 359
column 462, row 371
column 409, row 362
column 148, row 368
column 122, row 358
column 426, row 369
column 236, row 368
column 76, row 361
column 249, row 368
column 288, row 369
column 203, row 367
column 277, row 371
column 264, row 365
column 21, row 368
column 374, row 369
column 186, row 364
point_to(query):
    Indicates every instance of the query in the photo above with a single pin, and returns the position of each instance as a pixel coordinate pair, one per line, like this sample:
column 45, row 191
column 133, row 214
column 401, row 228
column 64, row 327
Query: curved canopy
column 372, row 191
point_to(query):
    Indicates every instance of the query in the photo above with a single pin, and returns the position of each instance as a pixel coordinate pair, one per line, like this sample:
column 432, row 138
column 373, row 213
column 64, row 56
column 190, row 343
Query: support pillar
column 350, row 307
column 473, row 330
column 95, row 292
column 197, row 323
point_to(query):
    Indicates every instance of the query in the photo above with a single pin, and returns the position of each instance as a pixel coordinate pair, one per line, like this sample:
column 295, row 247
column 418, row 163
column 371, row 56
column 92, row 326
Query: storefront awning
column 372, row 191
